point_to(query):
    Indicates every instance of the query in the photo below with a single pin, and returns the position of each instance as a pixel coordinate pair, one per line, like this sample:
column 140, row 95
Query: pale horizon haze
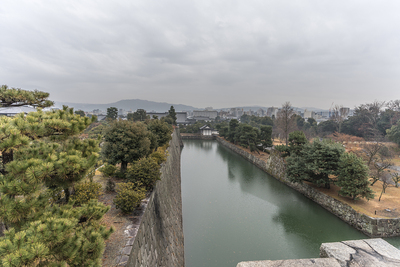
column 204, row 53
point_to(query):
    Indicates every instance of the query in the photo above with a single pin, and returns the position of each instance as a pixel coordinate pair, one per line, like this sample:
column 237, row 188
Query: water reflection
column 207, row 145
column 235, row 212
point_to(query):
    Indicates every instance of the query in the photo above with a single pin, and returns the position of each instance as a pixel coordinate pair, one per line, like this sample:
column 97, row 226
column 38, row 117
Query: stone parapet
column 356, row 253
column 292, row 263
column 366, row 253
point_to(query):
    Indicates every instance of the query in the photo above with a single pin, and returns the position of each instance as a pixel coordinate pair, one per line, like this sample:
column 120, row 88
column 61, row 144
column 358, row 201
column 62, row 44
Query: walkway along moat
column 233, row 211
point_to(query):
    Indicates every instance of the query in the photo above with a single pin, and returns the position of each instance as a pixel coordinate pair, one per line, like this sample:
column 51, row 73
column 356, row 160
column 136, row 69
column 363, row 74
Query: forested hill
column 129, row 104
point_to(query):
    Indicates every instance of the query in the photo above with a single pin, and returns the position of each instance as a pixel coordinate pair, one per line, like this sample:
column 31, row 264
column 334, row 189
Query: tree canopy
column 138, row 115
column 42, row 159
column 16, row 97
column 394, row 133
column 172, row 114
column 352, row 177
column 315, row 163
column 112, row 113
column 125, row 142
column 286, row 120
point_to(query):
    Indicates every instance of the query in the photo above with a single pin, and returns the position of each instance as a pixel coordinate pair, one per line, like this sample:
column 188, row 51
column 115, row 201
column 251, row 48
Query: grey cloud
column 308, row 52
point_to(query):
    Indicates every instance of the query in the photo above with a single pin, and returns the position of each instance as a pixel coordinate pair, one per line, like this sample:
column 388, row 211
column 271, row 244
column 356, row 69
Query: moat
column 233, row 211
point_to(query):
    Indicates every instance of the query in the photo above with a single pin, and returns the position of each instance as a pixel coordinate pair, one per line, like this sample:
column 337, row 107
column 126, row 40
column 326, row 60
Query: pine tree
column 353, row 177
column 43, row 160
column 315, row 162
column 112, row 113
column 16, row 97
column 125, row 142
column 172, row 114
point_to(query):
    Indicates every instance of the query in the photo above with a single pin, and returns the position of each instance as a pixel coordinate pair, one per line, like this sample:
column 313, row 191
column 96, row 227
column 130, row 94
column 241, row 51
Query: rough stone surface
column 292, row 263
column 275, row 166
column 159, row 237
column 368, row 253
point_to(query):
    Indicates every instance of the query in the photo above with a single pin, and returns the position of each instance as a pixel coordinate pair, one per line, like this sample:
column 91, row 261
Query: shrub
column 110, row 186
column 283, row 150
column 159, row 156
column 146, row 171
column 128, row 197
column 108, row 170
column 85, row 192
column 353, row 177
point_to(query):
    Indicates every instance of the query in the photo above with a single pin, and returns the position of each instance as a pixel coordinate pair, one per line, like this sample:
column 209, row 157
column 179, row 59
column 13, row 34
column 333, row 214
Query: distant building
column 211, row 114
column 181, row 117
column 308, row 114
column 236, row 112
column 207, row 131
column 272, row 111
column 261, row 112
column 121, row 112
column 12, row 111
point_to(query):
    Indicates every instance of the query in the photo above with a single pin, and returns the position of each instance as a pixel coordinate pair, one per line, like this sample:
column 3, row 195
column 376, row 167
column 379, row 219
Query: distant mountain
column 255, row 108
column 129, row 104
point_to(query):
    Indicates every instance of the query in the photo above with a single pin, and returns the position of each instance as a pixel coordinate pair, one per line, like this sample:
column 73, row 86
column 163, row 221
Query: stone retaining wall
column 159, row 238
column 198, row 137
column 275, row 166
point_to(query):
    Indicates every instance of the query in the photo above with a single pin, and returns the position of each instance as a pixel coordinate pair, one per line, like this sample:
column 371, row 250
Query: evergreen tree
column 172, row 114
column 146, row 171
column 42, row 160
column 233, row 125
column 138, row 115
column 125, row 142
column 16, row 97
column 315, row 163
column 80, row 112
column 112, row 113
column 161, row 130
column 297, row 140
column 266, row 136
column 353, row 177
column 394, row 133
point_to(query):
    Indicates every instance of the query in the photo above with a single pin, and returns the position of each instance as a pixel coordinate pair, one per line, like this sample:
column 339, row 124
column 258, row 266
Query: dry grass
column 389, row 201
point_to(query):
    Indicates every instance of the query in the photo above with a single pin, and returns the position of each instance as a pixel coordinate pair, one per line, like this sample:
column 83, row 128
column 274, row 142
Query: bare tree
column 285, row 120
column 378, row 158
column 339, row 114
column 385, row 183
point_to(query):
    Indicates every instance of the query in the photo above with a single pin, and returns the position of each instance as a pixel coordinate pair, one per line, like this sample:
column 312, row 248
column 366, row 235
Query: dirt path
column 112, row 218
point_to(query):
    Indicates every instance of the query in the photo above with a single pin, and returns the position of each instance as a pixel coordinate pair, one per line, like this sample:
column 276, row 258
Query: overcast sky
column 204, row 52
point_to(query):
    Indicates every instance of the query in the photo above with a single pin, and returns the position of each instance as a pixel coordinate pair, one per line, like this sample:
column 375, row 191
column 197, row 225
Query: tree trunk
column 327, row 185
column 7, row 157
column 67, row 194
column 124, row 166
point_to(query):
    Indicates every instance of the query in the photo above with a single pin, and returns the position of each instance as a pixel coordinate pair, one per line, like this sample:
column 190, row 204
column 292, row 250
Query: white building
column 308, row 114
column 207, row 131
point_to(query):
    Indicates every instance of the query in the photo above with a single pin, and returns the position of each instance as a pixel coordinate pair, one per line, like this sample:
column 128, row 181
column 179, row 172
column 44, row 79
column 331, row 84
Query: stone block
column 366, row 253
column 327, row 262
column 126, row 250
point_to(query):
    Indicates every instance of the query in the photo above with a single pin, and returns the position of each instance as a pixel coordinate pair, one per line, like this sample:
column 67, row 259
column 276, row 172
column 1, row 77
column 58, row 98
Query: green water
column 233, row 211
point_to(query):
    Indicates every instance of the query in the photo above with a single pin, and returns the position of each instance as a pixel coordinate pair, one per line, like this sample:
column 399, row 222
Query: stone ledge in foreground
column 374, row 252
column 328, row 262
